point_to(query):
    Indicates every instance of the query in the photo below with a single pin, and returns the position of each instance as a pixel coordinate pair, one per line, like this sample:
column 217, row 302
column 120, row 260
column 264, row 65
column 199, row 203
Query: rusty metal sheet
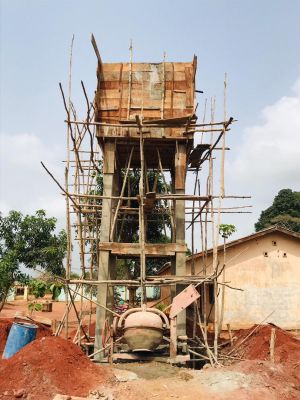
column 183, row 300
column 151, row 84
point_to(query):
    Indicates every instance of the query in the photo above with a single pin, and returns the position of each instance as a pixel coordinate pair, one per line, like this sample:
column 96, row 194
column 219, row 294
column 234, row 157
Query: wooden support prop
column 95, row 302
column 121, row 195
column 173, row 337
column 62, row 322
column 77, row 315
column 134, row 249
column 60, row 186
column 272, row 345
column 230, row 334
column 141, row 215
column 198, row 214
column 93, row 41
column 233, row 351
column 210, row 354
column 166, row 189
column 129, row 81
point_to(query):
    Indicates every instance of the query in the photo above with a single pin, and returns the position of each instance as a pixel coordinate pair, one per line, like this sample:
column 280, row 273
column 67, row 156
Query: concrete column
column 180, row 258
column 105, row 267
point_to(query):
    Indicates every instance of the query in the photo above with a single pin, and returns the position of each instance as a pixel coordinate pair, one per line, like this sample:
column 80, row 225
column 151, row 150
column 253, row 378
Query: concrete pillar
column 180, row 258
column 105, row 267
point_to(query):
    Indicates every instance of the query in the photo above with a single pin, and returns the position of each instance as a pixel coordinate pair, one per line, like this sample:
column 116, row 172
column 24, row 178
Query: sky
column 255, row 42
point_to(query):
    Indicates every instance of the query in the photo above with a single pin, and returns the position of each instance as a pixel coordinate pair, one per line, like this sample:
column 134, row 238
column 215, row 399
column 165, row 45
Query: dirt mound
column 88, row 329
column 281, row 380
column 48, row 366
column 257, row 345
column 5, row 325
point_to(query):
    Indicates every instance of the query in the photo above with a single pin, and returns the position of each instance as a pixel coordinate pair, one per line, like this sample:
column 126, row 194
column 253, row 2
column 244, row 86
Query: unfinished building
column 139, row 131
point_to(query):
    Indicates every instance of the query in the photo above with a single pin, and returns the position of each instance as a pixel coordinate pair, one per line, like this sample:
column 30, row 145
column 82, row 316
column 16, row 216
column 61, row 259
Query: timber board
column 151, row 250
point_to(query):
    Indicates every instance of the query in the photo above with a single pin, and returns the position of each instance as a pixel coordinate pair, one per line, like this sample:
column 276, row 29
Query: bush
column 38, row 288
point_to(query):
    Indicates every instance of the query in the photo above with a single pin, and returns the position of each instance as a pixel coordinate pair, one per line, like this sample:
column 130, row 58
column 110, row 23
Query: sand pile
column 257, row 346
column 5, row 325
column 48, row 366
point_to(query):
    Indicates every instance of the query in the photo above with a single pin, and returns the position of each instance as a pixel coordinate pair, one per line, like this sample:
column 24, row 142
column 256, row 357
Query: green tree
column 127, row 230
column 9, row 273
column 226, row 230
column 28, row 241
column 38, row 287
column 284, row 212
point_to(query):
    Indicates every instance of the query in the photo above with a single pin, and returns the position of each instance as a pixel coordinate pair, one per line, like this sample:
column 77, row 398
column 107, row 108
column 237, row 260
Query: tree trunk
column 3, row 299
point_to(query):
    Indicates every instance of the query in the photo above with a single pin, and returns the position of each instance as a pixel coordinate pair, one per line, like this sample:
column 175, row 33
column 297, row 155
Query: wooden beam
column 134, row 249
column 93, row 41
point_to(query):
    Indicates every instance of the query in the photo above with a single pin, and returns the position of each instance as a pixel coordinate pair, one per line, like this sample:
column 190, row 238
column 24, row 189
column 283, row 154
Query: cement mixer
column 148, row 333
column 143, row 328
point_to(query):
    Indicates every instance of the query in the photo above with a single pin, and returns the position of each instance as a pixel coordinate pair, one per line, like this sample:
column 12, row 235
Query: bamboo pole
column 121, row 195
column 233, row 351
column 151, row 125
column 272, row 345
column 68, row 221
column 166, row 189
column 158, row 197
column 163, row 88
column 215, row 254
column 129, row 80
column 222, row 194
column 97, row 304
column 142, row 217
column 230, row 334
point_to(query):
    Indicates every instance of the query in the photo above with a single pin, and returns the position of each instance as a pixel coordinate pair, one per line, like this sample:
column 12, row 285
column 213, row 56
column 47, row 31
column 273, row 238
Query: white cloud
column 268, row 158
column 25, row 186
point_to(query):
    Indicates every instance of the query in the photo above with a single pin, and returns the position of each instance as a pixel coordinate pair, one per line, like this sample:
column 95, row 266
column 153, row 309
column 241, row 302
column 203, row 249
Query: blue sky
column 255, row 42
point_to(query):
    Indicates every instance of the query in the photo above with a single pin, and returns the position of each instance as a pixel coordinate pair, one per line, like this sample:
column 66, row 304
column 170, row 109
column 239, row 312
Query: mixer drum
column 143, row 331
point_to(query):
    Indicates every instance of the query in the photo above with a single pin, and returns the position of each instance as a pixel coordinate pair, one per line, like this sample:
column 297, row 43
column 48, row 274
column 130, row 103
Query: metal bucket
column 20, row 334
column 143, row 331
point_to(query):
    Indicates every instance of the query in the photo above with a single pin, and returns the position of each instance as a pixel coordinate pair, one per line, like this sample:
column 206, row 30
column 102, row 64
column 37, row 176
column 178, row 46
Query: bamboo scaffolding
column 84, row 201
column 149, row 125
column 68, row 221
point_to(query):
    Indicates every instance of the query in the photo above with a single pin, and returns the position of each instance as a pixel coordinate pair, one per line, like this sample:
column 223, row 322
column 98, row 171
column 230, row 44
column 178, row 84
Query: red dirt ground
column 51, row 365
column 257, row 346
column 5, row 325
column 48, row 366
column 279, row 380
column 58, row 309
column 91, row 331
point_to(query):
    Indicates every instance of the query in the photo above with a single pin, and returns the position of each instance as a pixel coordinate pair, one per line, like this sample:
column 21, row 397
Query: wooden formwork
column 143, row 117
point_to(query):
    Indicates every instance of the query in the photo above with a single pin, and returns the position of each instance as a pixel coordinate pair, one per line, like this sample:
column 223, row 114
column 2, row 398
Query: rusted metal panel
column 150, row 89
column 183, row 300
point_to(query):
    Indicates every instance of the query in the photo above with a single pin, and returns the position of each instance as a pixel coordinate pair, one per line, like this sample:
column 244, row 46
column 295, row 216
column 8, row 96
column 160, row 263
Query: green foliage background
column 29, row 241
column 284, row 212
column 127, row 232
